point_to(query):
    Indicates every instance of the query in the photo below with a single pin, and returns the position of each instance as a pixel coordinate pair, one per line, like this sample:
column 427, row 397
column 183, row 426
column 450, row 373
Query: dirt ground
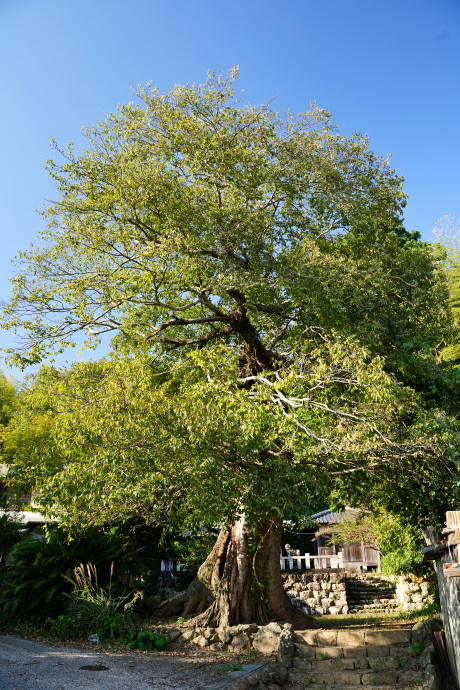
column 27, row 665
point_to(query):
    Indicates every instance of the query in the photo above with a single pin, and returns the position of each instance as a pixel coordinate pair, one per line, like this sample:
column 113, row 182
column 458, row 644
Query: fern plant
column 36, row 581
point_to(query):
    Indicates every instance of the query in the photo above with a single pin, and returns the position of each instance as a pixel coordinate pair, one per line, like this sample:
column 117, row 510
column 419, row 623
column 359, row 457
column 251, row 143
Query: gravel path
column 26, row 665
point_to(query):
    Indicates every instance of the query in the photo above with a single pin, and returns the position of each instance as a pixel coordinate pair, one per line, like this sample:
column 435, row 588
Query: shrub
column 149, row 641
column 107, row 611
column 11, row 533
column 37, row 580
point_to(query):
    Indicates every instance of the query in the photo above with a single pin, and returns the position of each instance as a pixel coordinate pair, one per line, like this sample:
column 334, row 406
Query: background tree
column 267, row 311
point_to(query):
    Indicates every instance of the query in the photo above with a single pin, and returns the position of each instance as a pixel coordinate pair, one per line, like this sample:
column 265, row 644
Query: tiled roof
column 326, row 516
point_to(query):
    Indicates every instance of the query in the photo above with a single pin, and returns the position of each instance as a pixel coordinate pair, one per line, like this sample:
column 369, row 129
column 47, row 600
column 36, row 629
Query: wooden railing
column 305, row 562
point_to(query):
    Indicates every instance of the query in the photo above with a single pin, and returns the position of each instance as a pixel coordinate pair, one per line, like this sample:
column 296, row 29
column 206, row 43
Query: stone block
column 350, row 638
column 322, row 678
column 421, row 632
column 321, row 665
column 342, row 664
column 298, row 677
column 217, row 647
column 354, row 652
column 265, row 641
column 200, row 641
column 302, row 664
column 361, row 663
column 304, row 651
column 305, row 637
column 241, row 643
column 329, row 652
column 378, row 650
column 224, row 636
column 387, row 637
column 173, row 635
column 274, row 627
column 186, row 636
column 402, row 652
column 412, row 676
column 347, row 678
column 286, row 644
column 384, row 663
column 432, row 681
column 326, row 638
column 379, row 678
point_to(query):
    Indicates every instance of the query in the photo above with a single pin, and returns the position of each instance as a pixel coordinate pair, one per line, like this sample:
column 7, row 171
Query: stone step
column 367, row 588
column 345, row 678
column 352, row 638
column 369, row 598
column 353, row 663
column 374, row 605
column 294, row 686
column 307, row 652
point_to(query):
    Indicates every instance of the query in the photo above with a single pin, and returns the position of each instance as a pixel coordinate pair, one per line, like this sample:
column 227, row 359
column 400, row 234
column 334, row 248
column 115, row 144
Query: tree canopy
column 273, row 325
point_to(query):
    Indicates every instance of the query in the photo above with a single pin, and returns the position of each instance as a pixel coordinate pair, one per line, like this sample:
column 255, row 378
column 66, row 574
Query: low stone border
column 269, row 676
column 274, row 638
column 270, row 639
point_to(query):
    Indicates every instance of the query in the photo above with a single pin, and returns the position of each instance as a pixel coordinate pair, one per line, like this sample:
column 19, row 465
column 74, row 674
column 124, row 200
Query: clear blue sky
column 388, row 68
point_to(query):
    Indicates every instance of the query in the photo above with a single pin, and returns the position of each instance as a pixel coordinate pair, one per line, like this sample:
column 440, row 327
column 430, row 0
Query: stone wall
column 318, row 593
column 325, row 592
column 412, row 592
column 269, row 640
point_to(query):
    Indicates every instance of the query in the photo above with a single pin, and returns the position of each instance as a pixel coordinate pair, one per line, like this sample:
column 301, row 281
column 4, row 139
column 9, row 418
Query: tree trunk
column 240, row 582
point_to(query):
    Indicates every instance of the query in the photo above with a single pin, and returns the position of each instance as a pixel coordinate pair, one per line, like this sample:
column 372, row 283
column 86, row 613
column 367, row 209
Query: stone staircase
column 362, row 659
column 370, row 594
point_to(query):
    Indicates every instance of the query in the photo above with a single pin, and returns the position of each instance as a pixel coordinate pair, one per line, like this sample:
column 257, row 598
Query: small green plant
column 180, row 620
column 418, row 647
column 233, row 667
column 320, row 655
column 399, row 662
column 149, row 641
column 252, row 653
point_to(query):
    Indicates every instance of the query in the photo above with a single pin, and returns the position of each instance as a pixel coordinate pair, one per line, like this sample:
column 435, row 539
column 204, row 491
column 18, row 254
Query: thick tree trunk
column 240, row 582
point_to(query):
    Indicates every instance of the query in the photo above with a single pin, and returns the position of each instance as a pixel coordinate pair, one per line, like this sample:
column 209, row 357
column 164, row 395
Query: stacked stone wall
column 324, row 592
column 318, row 593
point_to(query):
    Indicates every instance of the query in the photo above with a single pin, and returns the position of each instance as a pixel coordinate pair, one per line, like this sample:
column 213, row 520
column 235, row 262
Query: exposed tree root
column 234, row 587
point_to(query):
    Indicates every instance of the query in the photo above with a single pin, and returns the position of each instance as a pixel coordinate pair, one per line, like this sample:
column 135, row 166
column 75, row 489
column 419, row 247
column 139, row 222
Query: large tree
column 267, row 313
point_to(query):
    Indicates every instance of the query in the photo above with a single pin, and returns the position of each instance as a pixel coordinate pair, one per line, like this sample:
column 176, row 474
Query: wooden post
column 307, row 561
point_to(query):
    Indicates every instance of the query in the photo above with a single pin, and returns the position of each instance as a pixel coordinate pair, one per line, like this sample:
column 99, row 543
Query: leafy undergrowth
column 388, row 620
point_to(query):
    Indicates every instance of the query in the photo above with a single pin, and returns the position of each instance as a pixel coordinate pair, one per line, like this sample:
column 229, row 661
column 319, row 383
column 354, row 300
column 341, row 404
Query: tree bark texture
column 240, row 582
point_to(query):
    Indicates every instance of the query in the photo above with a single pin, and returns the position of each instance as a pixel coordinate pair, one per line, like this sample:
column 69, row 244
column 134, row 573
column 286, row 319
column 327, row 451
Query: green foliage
column 37, row 580
column 149, row 641
column 275, row 328
column 106, row 610
column 418, row 647
column 232, row 667
column 9, row 402
column 193, row 552
column 11, row 533
column 66, row 626
column 9, row 395
column 353, row 527
column 400, row 544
